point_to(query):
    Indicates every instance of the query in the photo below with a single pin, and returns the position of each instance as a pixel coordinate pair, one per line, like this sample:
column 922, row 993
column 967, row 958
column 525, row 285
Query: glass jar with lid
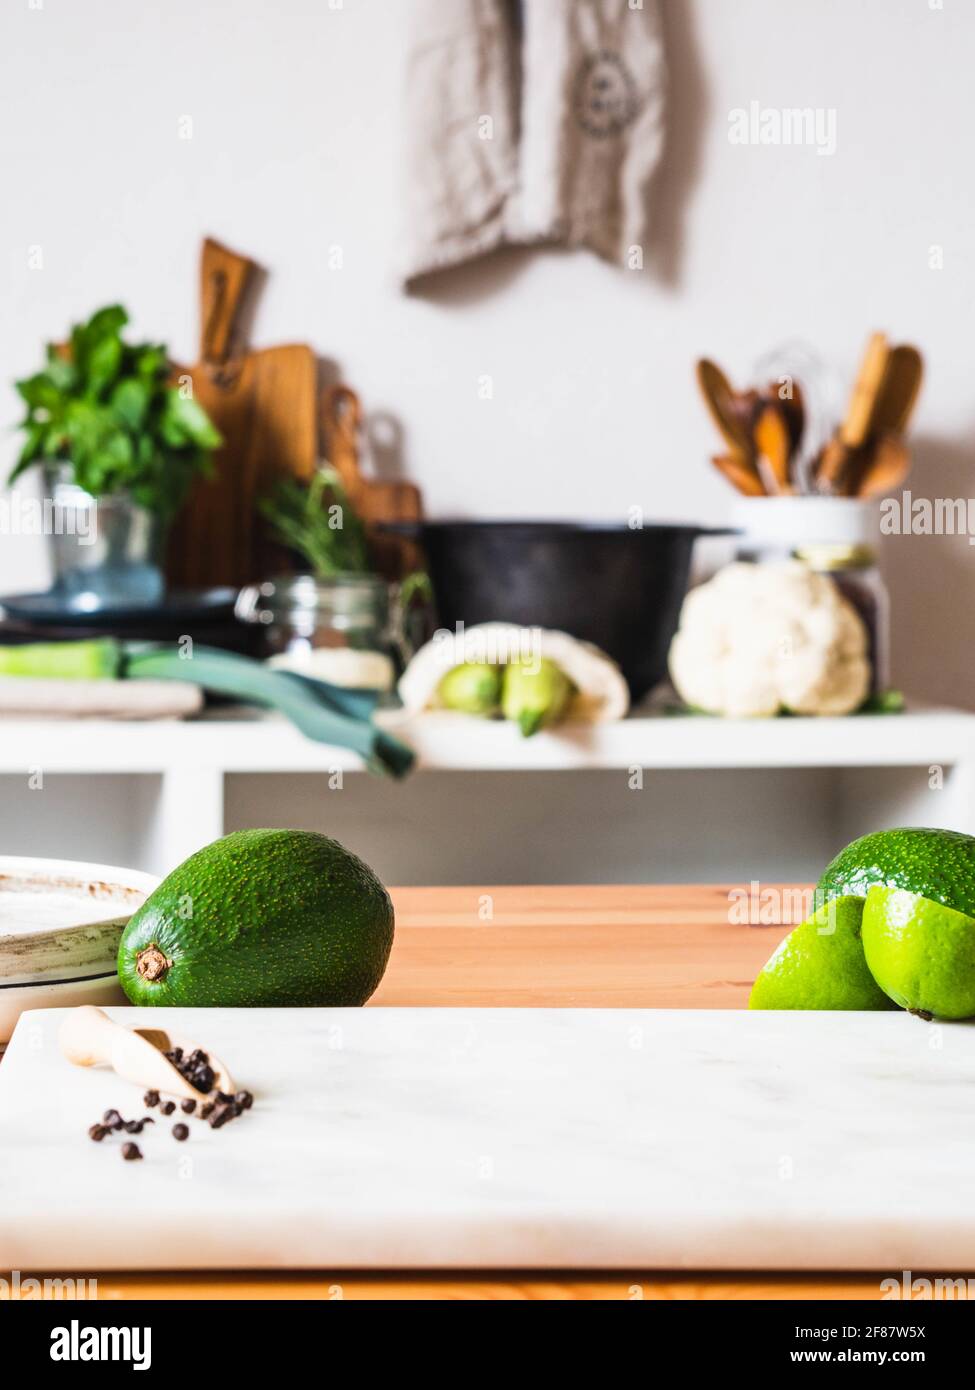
column 344, row 630
column 837, row 536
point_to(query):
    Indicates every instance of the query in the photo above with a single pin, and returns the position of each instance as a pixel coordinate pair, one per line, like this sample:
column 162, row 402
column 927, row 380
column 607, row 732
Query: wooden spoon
column 775, row 445
column 740, row 473
column 857, row 424
column 899, row 390
column 89, row 1036
column 885, row 469
column 724, row 406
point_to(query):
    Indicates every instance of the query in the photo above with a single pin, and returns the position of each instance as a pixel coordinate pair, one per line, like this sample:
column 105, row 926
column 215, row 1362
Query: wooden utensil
column 855, row 428
column 88, row 1037
column 265, row 404
column 898, row 391
column 793, row 409
column 740, row 474
column 375, row 500
column 885, row 469
column 774, row 445
column 725, row 407
column 838, row 455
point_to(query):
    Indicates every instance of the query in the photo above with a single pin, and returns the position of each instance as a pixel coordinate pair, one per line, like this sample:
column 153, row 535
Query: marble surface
column 486, row 1138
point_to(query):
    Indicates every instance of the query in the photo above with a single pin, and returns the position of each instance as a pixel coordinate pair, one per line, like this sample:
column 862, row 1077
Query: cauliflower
column 759, row 639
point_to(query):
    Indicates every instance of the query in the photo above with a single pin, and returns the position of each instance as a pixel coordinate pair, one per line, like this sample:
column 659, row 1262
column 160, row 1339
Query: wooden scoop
column 88, row 1036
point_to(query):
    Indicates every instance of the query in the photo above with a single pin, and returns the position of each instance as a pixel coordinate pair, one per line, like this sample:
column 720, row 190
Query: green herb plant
column 107, row 408
column 320, row 523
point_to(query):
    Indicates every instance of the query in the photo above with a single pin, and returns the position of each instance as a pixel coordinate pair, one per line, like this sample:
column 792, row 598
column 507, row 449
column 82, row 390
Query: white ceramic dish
column 60, row 924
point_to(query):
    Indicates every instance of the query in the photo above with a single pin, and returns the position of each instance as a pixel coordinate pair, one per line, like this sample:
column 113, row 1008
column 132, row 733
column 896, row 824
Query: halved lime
column 920, row 952
column 820, row 965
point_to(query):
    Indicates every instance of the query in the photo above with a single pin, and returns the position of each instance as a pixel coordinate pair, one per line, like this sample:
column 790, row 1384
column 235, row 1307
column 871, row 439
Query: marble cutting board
column 398, row 1138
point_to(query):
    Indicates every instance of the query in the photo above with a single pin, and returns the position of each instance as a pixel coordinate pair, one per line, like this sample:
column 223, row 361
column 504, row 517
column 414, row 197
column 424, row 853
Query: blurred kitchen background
column 534, row 383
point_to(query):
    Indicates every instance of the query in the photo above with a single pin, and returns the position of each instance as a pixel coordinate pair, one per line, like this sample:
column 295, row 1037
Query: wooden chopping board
column 265, row 404
column 377, row 501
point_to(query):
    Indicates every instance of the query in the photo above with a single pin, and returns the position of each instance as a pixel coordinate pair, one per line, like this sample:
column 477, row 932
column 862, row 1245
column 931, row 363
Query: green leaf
column 32, row 449
column 60, row 370
column 106, row 323
column 84, row 423
column 39, row 392
column 150, row 361
column 130, row 401
column 115, row 456
column 55, row 441
column 33, row 444
column 104, row 360
column 185, row 421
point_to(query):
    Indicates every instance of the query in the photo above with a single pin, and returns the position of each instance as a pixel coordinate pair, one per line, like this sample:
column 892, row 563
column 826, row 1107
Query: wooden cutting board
column 265, row 404
column 503, row 1138
column 377, row 501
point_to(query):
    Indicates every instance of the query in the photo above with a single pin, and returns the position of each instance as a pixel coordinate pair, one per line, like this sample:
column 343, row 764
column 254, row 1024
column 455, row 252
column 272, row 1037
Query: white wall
column 295, row 115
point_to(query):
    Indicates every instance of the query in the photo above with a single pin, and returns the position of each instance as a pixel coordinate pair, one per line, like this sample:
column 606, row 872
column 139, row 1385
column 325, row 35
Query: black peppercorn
column 130, row 1151
column 181, row 1132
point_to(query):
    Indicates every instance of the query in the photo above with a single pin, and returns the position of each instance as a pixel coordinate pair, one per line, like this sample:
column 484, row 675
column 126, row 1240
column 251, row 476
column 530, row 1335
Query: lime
column 939, row 864
column 535, row 697
column 820, row 965
column 474, row 687
column 920, row 952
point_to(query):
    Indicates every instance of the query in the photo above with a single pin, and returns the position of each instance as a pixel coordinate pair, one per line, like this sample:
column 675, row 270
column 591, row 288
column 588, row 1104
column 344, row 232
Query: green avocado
column 260, row 918
column 937, row 864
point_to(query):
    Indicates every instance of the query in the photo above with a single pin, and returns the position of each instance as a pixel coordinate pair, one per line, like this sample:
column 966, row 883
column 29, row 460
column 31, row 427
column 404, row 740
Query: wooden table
column 571, row 947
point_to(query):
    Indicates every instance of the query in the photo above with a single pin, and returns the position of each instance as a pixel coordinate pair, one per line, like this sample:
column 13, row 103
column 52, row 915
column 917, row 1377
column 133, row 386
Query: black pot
column 619, row 588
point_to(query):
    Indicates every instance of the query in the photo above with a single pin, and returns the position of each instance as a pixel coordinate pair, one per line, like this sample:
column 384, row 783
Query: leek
column 320, row 711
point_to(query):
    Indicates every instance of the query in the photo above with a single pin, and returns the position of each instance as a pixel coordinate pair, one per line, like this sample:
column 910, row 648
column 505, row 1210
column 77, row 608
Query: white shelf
column 162, row 789
column 251, row 742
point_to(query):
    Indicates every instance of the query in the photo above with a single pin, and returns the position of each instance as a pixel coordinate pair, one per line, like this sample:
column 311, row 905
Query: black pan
column 619, row 588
